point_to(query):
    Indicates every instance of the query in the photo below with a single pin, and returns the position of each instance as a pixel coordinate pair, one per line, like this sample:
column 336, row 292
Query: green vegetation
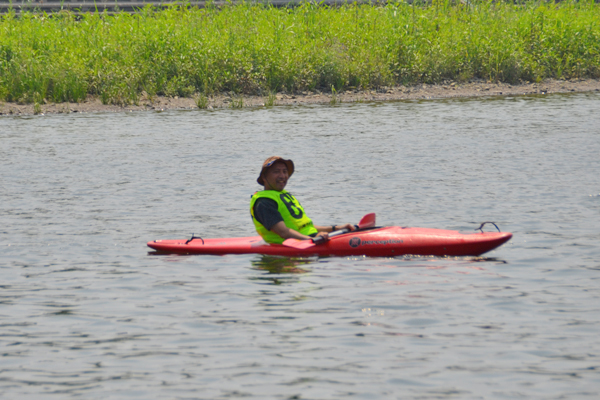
column 270, row 100
column 237, row 102
column 258, row 49
column 202, row 101
column 334, row 97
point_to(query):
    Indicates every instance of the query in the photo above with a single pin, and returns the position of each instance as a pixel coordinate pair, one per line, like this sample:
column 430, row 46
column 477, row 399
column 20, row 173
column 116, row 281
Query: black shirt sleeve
column 265, row 212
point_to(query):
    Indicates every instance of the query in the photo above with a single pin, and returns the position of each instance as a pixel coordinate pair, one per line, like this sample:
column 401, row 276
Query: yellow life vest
column 291, row 211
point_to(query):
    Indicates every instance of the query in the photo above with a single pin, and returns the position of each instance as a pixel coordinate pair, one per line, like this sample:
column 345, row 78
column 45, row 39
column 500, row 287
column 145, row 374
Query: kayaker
column 276, row 214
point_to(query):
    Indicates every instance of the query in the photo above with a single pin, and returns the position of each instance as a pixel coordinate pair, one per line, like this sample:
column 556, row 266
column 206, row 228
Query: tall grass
column 258, row 49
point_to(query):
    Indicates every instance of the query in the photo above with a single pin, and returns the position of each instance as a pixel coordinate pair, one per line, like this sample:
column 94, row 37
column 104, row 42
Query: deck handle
column 194, row 237
column 487, row 222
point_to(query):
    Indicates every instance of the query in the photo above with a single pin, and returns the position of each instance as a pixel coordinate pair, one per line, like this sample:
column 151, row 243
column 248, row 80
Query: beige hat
column 270, row 161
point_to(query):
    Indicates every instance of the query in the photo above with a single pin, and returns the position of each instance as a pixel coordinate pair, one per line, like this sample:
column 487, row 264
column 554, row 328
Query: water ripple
column 86, row 310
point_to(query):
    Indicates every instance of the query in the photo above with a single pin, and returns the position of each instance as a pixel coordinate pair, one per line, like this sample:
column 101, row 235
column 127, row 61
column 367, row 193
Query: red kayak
column 374, row 242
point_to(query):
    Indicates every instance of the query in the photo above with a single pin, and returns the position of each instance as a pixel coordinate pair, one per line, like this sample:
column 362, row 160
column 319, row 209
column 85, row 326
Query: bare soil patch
column 229, row 100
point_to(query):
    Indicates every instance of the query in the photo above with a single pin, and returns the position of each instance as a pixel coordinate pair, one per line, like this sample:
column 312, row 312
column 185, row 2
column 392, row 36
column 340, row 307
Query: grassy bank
column 250, row 49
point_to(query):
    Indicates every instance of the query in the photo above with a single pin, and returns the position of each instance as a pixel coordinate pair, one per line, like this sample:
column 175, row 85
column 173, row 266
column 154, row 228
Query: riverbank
column 251, row 49
column 225, row 100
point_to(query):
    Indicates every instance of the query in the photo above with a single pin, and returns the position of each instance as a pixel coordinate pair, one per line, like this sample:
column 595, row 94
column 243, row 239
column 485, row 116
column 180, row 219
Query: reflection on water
column 85, row 310
column 281, row 265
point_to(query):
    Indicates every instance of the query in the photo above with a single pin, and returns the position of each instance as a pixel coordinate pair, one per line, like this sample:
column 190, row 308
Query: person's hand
column 350, row 227
column 325, row 235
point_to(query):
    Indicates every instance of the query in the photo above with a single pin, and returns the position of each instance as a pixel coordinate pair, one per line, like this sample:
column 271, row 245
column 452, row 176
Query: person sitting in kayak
column 276, row 214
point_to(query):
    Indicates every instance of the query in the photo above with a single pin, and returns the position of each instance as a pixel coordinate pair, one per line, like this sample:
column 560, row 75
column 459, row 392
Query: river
column 88, row 311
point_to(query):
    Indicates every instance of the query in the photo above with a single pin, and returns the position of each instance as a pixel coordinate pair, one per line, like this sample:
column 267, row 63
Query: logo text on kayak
column 355, row 242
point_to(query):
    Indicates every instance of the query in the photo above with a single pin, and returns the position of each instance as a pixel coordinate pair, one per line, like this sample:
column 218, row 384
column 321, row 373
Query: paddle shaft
column 368, row 221
column 319, row 239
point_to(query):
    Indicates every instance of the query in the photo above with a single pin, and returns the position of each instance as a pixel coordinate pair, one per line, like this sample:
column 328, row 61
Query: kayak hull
column 378, row 242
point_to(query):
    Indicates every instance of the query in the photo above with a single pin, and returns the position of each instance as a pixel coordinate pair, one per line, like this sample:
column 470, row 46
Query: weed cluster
column 252, row 48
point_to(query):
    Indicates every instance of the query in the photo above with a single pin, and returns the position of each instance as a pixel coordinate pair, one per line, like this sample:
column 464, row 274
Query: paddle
column 368, row 221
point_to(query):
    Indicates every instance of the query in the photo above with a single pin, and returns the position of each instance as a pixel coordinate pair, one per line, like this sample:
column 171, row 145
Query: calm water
column 87, row 312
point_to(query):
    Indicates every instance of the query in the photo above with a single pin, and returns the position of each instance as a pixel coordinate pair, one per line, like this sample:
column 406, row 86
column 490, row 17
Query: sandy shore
column 225, row 100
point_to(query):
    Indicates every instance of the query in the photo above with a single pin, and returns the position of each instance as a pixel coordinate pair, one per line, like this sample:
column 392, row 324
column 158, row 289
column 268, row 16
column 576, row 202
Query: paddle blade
column 368, row 221
column 298, row 244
